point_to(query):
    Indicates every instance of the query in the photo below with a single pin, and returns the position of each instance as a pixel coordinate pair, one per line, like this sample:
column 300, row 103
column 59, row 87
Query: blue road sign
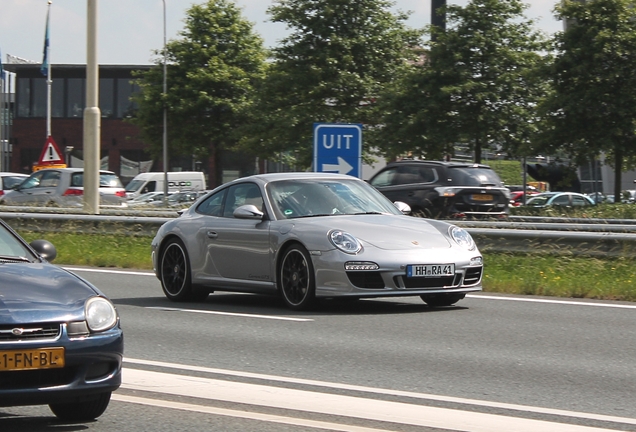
column 338, row 148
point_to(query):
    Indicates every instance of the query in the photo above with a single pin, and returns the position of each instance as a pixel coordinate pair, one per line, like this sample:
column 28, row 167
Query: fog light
column 361, row 265
column 476, row 261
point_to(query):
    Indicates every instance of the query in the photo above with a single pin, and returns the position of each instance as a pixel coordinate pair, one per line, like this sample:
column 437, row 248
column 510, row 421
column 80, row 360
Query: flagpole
column 49, row 81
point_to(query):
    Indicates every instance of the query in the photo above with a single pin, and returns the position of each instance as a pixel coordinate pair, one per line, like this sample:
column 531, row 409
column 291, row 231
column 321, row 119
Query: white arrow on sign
column 342, row 167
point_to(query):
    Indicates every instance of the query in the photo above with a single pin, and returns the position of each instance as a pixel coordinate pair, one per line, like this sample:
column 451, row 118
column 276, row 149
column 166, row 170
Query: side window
column 213, row 205
column 561, row 200
column 385, row 178
column 428, row 174
column 50, row 179
column 408, row 175
column 150, row 187
column 578, row 201
column 77, row 179
column 242, row 194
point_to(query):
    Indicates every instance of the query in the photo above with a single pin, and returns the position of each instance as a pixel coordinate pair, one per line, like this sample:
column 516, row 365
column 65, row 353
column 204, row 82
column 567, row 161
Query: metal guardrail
column 545, row 235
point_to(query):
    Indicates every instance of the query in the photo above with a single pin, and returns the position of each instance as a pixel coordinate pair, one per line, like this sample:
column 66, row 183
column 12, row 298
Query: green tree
column 213, row 69
column 592, row 106
column 477, row 85
column 331, row 68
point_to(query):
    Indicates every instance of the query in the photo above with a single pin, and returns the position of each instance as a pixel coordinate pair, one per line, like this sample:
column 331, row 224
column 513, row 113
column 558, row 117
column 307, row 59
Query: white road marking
column 555, row 301
column 271, row 317
column 113, row 271
column 386, row 392
column 243, row 414
column 339, row 405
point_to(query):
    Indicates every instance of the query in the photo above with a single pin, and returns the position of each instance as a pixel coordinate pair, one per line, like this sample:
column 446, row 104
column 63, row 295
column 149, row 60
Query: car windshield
column 11, row 248
column 474, row 176
column 538, row 200
column 304, row 198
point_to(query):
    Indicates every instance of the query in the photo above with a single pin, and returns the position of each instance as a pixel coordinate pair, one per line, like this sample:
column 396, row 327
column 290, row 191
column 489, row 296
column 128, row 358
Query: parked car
column 9, row 180
column 61, row 343
column 516, row 197
column 560, row 199
column 64, row 187
column 146, row 200
column 444, row 189
column 307, row 236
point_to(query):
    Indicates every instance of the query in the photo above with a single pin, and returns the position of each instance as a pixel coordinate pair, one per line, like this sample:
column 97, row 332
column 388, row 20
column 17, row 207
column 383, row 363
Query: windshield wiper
column 14, row 258
column 370, row 213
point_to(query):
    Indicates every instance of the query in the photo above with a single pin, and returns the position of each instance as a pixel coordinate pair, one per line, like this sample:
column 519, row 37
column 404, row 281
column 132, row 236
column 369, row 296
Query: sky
column 129, row 31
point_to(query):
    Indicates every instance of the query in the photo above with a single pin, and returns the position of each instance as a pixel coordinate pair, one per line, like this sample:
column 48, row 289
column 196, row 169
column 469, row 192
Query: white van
column 178, row 181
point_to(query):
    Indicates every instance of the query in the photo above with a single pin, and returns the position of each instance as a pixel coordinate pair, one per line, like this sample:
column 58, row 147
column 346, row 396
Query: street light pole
column 165, row 112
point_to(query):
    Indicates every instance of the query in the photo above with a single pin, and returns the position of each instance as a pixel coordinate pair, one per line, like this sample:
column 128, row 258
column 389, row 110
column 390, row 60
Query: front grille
column 424, row 282
column 30, row 332
column 37, row 378
column 473, row 275
column 366, row 279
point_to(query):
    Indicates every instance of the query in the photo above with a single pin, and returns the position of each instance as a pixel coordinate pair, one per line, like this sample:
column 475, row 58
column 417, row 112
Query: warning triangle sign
column 51, row 153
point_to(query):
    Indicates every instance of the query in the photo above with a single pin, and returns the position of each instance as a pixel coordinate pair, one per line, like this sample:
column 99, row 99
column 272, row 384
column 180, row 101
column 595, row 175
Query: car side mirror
column 403, row 207
column 45, row 249
column 248, row 211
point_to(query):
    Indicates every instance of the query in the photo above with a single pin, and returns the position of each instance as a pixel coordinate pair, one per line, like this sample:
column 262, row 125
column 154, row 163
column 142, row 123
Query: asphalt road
column 245, row 363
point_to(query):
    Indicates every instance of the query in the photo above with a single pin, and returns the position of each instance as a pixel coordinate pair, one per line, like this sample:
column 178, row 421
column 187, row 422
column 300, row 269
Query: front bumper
column 93, row 365
column 390, row 279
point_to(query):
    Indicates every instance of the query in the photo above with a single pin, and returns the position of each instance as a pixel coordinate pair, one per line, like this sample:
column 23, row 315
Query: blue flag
column 45, row 58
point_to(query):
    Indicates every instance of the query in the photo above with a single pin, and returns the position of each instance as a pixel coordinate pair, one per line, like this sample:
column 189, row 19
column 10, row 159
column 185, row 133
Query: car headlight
column 345, row 241
column 100, row 314
column 462, row 238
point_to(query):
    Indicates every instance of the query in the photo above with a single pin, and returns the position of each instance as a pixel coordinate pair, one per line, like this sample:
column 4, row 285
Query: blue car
column 61, row 343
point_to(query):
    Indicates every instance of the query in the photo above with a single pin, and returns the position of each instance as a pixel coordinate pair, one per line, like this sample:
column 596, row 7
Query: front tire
column 175, row 275
column 88, row 409
column 441, row 300
column 296, row 279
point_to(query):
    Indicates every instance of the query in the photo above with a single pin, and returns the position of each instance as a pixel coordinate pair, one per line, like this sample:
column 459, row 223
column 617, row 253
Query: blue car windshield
column 306, row 198
column 11, row 247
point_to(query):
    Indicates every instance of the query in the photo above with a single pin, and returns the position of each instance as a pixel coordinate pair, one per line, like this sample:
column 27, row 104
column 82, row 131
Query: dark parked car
column 444, row 189
column 61, row 343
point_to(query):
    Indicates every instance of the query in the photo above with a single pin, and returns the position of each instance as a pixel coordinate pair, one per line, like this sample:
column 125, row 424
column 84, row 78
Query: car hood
column 388, row 232
column 41, row 292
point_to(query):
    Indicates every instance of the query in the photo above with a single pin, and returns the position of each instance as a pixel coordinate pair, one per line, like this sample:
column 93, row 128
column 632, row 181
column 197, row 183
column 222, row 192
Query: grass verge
column 529, row 274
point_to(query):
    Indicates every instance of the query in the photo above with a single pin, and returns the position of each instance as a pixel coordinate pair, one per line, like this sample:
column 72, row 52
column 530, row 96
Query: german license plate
column 481, row 197
column 43, row 358
column 430, row 270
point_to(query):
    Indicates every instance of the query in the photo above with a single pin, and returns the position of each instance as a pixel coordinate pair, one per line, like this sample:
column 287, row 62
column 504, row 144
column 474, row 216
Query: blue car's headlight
column 100, row 314
column 344, row 241
column 462, row 238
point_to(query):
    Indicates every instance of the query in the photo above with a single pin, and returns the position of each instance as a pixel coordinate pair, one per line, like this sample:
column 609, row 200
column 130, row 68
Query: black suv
column 444, row 189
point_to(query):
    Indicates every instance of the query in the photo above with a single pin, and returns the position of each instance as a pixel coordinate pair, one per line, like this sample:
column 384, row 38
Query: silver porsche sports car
column 306, row 236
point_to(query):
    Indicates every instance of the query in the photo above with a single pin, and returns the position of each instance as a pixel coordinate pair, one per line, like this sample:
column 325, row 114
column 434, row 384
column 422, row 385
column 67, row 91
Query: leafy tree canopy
column 212, row 72
column 592, row 106
column 331, row 68
column 477, row 85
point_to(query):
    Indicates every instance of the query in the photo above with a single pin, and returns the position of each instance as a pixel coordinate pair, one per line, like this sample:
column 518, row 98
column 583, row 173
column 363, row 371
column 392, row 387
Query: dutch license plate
column 482, row 197
column 430, row 270
column 43, row 358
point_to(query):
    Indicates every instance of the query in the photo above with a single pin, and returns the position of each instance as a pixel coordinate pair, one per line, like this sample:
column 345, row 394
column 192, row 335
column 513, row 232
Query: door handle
column 212, row 234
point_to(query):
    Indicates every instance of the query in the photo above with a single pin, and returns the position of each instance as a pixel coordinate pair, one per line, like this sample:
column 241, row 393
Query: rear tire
column 441, row 300
column 175, row 274
column 89, row 409
column 297, row 279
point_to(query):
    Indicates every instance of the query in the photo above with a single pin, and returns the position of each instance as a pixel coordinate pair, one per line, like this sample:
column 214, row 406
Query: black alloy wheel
column 174, row 268
column 296, row 280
